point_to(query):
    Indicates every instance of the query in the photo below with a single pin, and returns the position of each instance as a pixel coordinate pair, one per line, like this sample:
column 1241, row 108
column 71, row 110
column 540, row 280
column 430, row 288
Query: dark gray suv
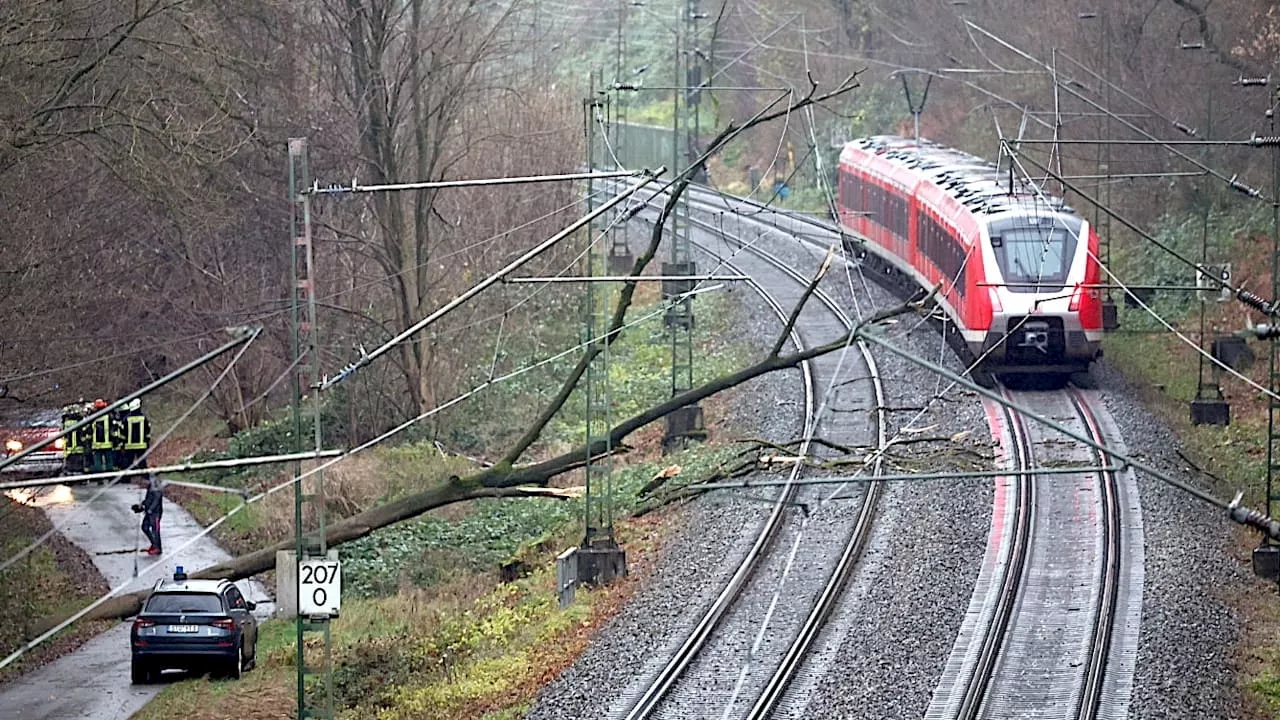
column 201, row 625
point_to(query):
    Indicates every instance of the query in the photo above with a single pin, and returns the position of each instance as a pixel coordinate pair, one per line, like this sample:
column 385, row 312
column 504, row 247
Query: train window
column 942, row 249
column 1034, row 257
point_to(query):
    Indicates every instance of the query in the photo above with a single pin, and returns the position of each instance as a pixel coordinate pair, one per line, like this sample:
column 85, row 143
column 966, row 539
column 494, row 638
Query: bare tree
column 427, row 88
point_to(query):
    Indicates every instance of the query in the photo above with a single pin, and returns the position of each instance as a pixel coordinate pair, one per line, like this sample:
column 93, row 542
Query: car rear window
column 184, row 603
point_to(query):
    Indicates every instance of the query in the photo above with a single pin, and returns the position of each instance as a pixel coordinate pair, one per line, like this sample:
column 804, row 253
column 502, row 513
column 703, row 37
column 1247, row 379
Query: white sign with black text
column 319, row 587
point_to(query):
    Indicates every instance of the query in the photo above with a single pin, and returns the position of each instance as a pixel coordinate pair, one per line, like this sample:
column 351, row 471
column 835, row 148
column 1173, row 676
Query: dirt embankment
column 56, row 577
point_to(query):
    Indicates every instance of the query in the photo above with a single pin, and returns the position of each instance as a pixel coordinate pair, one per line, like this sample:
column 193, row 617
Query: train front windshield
column 1034, row 258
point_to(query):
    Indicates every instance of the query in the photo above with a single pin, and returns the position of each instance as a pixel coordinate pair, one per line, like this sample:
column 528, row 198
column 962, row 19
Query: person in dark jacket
column 152, row 507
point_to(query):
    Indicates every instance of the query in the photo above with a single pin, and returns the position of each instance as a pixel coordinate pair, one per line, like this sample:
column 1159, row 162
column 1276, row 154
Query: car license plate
column 183, row 628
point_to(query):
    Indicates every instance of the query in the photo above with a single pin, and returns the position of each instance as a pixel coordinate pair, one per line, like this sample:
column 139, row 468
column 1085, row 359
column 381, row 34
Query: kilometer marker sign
column 319, row 587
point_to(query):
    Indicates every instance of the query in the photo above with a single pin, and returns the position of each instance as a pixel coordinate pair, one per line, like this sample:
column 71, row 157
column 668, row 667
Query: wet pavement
column 93, row 682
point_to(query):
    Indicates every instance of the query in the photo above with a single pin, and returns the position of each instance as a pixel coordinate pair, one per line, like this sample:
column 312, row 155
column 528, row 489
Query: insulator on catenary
column 1186, row 129
column 1255, row 302
column 1264, row 140
column 1253, row 519
column 1247, row 82
column 1242, row 187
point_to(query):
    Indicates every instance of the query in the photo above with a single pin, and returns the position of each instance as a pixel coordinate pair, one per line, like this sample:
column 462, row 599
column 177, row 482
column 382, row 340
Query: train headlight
column 12, row 446
column 60, row 444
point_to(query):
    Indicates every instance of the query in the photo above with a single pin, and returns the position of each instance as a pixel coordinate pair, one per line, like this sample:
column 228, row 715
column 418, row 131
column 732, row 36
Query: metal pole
column 1275, row 293
column 297, row 168
column 1209, row 392
column 687, row 421
column 588, row 319
column 303, row 342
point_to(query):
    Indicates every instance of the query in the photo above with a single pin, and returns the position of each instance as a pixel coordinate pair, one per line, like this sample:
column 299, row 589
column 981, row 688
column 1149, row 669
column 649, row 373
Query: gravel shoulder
column 1187, row 664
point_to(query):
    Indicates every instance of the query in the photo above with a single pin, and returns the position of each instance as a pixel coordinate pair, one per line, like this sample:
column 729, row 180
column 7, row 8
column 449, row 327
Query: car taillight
column 225, row 624
column 140, row 623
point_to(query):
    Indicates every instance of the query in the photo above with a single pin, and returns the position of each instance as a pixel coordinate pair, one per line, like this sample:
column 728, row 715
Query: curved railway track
column 651, row 702
column 1054, row 632
column 1040, row 643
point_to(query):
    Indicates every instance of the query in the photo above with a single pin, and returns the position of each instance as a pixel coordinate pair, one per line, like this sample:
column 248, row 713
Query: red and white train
column 1018, row 267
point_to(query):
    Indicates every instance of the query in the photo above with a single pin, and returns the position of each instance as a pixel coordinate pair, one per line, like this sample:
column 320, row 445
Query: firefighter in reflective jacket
column 137, row 437
column 75, row 451
column 101, row 445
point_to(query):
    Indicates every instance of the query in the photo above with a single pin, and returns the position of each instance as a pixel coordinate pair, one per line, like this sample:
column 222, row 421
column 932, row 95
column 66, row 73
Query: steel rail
column 1109, row 597
column 854, row 545
column 776, row 687
column 1012, row 575
column 671, row 672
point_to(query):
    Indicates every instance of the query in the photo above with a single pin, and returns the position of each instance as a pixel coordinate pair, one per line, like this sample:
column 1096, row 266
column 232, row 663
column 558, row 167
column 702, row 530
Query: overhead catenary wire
column 379, row 439
column 484, row 284
column 1231, row 181
column 1016, row 159
column 1119, row 457
column 229, row 463
column 248, row 318
column 366, row 358
column 356, row 187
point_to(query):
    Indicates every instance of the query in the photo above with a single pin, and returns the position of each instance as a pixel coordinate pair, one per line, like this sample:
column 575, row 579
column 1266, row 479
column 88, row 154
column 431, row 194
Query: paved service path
column 93, row 682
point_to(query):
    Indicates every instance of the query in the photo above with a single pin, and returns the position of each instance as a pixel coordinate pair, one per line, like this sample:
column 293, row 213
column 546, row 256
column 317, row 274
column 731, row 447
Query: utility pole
column 600, row 560
column 686, row 423
column 1101, row 220
column 306, row 378
column 1209, row 406
column 1266, row 557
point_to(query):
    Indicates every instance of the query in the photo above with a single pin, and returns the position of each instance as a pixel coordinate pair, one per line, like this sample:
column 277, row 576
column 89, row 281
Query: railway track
column 1039, row 638
column 730, row 617
column 1052, row 628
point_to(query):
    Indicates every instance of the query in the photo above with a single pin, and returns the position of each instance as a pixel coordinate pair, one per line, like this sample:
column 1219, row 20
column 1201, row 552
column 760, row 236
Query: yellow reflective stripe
column 135, row 440
column 102, row 433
